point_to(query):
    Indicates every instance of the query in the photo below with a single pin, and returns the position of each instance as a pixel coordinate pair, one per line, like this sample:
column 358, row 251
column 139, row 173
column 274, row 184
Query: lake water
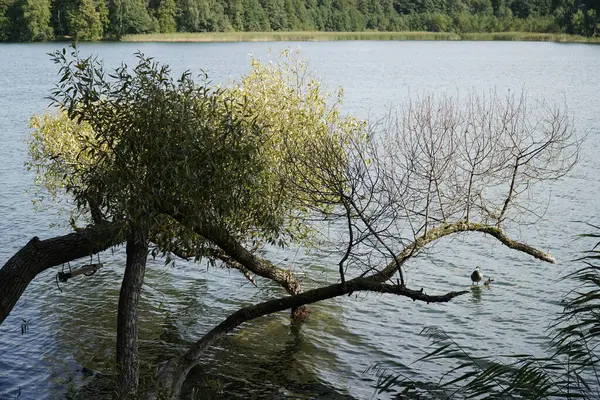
column 328, row 356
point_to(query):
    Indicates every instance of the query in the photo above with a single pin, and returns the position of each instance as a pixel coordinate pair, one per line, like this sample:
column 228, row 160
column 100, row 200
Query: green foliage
column 200, row 16
column 85, row 22
column 52, row 135
column 278, row 18
column 165, row 14
column 135, row 16
column 143, row 147
column 6, row 22
column 130, row 16
column 35, row 20
column 256, row 19
column 188, row 16
column 578, row 22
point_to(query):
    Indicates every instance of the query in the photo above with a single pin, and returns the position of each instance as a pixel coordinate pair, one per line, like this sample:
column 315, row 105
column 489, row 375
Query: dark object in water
column 87, row 270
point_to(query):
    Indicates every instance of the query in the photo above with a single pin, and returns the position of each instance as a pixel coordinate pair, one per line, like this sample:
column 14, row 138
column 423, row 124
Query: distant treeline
column 39, row 20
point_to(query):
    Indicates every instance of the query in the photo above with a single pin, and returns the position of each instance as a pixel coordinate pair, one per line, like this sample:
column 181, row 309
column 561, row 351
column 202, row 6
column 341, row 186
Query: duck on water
column 476, row 276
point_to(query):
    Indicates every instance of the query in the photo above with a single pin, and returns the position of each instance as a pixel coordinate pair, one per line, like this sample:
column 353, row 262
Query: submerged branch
column 172, row 375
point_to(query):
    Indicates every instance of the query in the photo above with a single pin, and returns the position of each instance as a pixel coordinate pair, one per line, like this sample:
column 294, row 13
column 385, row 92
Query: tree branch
column 511, row 191
column 172, row 375
column 250, row 261
column 174, row 372
column 458, row 227
column 231, row 263
column 235, row 250
column 39, row 255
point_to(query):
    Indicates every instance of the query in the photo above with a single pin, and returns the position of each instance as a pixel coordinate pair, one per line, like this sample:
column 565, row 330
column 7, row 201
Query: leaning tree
column 184, row 168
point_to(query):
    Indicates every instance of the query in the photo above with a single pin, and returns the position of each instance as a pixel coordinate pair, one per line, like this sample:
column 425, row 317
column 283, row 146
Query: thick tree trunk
column 127, row 317
column 39, row 255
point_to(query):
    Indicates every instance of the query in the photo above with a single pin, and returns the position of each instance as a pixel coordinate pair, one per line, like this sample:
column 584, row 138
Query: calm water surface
column 328, row 356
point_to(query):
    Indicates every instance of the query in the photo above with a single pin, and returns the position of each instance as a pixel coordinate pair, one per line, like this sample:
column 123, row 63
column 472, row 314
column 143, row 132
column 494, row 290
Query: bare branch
column 350, row 243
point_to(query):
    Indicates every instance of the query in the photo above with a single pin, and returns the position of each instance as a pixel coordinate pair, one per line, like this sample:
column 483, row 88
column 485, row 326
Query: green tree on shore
column 165, row 14
column 85, row 22
column 129, row 16
column 255, row 17
column 35, row 20
column 26, row 20
column 6, row 22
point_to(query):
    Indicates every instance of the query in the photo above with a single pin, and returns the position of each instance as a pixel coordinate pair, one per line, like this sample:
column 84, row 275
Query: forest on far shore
column 43, row 20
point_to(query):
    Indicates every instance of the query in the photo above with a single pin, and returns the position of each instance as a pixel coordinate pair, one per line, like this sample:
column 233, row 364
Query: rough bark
column 257, row 265
column 127, row 316
column 39, row 255
column 253, row 263
column 172, row 375
column 235, row 250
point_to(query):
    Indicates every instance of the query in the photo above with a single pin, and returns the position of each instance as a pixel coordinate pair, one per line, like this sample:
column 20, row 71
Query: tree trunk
column 39, row 255
column 127, row 317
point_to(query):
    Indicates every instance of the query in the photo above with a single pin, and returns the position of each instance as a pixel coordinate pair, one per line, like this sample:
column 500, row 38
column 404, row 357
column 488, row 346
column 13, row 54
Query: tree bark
column 127, row 316
column 235, row 250
column 257, row 265
column 39, row 255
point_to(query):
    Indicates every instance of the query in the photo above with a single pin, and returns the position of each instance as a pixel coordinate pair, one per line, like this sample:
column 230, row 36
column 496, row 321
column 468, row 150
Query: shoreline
column 314, row 36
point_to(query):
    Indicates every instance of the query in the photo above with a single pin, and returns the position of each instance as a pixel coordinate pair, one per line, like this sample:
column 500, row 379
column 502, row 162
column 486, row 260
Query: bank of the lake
column 317, row 36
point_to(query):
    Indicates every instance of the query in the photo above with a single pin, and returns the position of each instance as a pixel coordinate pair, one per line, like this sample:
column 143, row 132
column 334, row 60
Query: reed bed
column 333, row 36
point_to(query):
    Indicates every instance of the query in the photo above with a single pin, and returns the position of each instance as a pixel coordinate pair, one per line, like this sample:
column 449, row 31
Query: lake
column 73, row 331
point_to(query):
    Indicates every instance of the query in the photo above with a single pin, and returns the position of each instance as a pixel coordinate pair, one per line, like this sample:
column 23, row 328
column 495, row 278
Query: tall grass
column 334, row 36
column 529, row 37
